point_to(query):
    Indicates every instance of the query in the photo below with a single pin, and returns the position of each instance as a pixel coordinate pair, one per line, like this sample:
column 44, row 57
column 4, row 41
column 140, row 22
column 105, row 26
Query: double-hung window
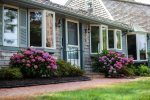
column 10, row 26
column 42, row 29
column 115, row 39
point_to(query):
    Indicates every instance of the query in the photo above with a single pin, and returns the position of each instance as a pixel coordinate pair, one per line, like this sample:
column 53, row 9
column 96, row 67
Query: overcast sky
column 64, row 1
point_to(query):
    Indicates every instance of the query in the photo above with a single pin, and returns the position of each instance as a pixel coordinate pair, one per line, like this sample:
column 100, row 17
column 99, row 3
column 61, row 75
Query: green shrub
column 65, row 69
column 128, row 71
column 10, row 73
column 144, row 70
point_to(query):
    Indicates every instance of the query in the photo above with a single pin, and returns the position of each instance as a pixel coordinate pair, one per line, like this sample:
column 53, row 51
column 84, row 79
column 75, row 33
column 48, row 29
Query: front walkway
column 33, row 90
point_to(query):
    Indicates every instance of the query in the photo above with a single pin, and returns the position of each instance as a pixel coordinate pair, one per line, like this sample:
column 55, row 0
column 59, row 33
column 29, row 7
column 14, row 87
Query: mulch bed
column 41, row 81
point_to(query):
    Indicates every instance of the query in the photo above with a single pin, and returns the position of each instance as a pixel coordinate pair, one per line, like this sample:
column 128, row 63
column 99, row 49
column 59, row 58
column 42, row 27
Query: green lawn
column 139, row 90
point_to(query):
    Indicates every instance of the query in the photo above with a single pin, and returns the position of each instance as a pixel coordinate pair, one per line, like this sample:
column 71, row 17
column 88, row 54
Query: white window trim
column 5, row 5
column 102, row 36
column 73, row 21
column 137, row 47
column 99, row 45
column 43, row 29
column 54, row 29
column 115, row 38
column 67, row 45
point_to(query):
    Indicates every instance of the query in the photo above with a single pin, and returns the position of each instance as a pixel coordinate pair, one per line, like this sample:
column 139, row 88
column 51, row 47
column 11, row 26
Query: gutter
column 72, row 13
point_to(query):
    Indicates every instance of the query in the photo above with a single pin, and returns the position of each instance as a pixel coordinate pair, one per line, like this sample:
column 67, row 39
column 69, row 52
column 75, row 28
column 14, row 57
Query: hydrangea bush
column 113, row 62
column 34, row 63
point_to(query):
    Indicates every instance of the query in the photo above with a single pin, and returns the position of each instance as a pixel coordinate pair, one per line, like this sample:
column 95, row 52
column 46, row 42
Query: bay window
column 42, row 29
column 10, row 32
column 137, row 46
column 115, row 39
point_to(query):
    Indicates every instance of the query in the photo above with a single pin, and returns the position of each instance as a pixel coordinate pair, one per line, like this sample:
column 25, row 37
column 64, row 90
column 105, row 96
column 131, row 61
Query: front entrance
column 72, row 42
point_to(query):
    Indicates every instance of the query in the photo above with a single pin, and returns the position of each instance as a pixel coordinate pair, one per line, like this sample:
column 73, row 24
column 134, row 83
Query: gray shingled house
column 136, row 43
column 68, row 32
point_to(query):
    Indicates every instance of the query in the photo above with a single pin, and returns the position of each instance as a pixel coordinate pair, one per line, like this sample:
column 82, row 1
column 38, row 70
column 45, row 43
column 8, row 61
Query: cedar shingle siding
column 129, row 12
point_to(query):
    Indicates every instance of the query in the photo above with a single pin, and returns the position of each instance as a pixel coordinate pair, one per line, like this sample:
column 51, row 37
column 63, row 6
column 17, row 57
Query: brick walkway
column 27, row 91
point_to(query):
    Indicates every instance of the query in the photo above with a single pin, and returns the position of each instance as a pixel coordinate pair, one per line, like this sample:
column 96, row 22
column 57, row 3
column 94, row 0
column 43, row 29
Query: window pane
column 10, row 36
column 111, row 38
column 72, row 33
column 36, row 29
column 94, row 39
column 118, row 39
column 142, row 46
column 49, row 30
column 73, row 53
column 132, row 48
column 104, row 32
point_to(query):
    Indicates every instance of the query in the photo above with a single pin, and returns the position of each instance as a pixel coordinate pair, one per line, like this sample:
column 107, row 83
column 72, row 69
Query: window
column 95, row 39
column 72, row 33
column 115, row 39
column 50, row 29
column 42, row 29
column 111, row 39
column 10, row 33
column 137, row 46
column 36, row 28
column 118, row 39
column 104, row 36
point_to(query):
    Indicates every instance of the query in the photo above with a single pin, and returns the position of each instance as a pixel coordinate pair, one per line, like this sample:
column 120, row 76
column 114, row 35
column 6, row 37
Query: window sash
column 53, row 37
column 7, row 35
column 97, row 38
column 116, row 39
column 104, row 34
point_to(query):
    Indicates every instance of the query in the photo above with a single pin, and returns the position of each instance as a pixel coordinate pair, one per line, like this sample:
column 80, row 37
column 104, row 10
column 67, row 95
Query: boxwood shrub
column 10, row 73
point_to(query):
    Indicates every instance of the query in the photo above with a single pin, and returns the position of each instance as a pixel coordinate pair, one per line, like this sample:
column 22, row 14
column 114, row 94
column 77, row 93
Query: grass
column 138, row 90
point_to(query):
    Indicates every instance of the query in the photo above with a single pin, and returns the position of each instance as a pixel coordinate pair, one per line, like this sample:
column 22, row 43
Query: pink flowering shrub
column 113, row 62
column 34, row 63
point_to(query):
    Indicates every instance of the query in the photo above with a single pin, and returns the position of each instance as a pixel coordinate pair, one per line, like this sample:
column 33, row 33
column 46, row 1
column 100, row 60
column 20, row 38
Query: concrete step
column 94, row 75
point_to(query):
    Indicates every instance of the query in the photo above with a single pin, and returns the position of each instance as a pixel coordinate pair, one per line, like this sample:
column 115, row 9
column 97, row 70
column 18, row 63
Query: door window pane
column 36, row 28
column 132, row 48
column 72, row 33
column 95, row 39
column 73, row 53
column 10, row 36
column 142, row 46
column 49, row 30
column 118, row 39
column 104, row 33
column 111, row 38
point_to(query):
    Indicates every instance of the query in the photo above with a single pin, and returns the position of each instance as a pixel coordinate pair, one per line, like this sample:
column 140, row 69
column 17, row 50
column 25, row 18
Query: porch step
column 94, row 75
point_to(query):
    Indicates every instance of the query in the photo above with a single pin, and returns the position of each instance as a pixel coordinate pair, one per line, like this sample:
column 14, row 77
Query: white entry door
column 73, row 47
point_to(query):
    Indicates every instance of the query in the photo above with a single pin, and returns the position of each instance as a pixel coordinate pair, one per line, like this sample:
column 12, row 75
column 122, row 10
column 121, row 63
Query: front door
column 73, row 47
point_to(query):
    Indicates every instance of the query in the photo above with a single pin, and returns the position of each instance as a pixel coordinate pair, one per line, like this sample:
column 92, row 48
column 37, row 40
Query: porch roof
column 139, row 29
column 80, row 14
